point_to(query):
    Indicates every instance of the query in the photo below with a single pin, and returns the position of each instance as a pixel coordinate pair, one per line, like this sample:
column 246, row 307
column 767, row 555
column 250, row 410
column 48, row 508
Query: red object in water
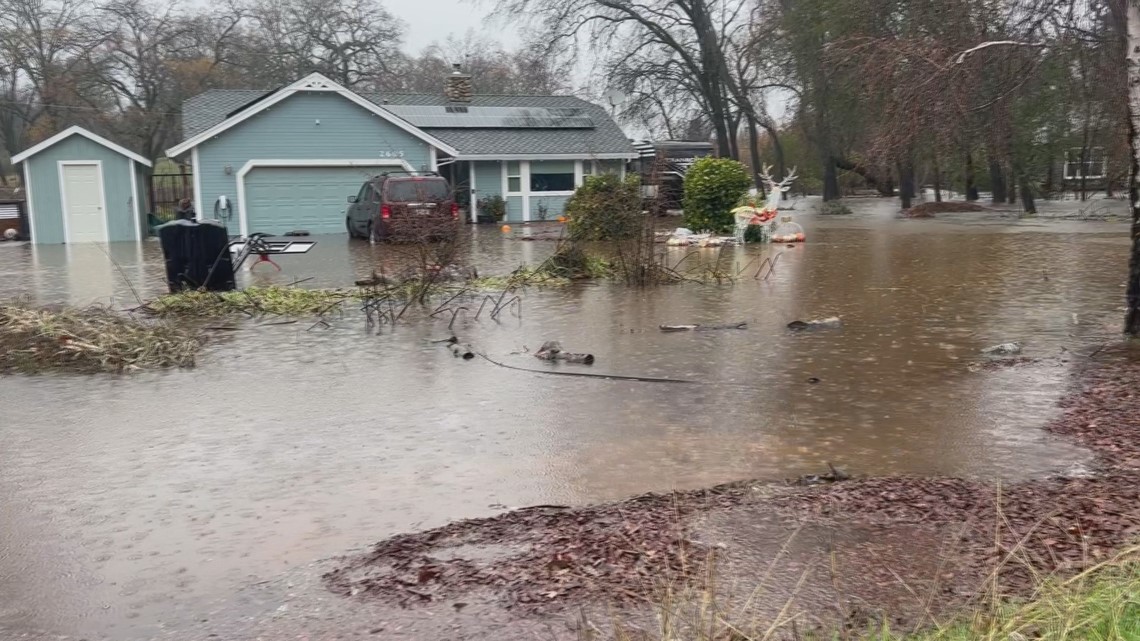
column 264, row 258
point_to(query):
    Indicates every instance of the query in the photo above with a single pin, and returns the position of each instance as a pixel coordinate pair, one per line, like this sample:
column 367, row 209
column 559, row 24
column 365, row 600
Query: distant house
column 289, row 158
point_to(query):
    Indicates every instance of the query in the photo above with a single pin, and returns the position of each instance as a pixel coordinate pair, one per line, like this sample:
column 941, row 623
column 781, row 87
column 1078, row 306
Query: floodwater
column 130, row 506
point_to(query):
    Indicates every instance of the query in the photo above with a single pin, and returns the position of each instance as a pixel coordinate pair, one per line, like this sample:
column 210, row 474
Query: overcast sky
column 432, row 21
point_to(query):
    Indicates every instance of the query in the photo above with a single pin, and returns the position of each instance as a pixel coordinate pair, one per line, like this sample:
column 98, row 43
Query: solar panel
column 450, row 117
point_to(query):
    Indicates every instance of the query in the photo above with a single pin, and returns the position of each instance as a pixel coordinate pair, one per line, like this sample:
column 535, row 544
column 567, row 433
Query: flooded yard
column 130, row 506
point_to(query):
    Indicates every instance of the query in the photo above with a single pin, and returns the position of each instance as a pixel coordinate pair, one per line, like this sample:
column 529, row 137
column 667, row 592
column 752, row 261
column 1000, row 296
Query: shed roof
column 604, row 137
column 80, row 131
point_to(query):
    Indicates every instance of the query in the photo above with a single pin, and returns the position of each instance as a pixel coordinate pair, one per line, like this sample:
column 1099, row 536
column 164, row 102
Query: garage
column 313, row 199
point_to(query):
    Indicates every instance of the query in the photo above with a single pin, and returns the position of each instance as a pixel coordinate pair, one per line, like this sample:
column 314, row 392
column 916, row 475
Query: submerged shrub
column 834, row 208
column 713, row 186
column 605, row 207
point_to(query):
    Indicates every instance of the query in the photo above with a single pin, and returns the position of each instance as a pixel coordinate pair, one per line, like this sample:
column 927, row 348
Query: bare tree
column 354, row 42
column 689, row 33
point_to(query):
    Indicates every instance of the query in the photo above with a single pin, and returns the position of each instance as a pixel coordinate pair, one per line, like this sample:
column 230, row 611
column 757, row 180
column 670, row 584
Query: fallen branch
column 612, row 377
column 702, row 328
column 552, row 351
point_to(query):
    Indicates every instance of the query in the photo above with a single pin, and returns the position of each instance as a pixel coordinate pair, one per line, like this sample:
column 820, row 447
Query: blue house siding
column 514, row 209
column 305, row 126
column 47, row 209
column 555, row 206
column 488, row 179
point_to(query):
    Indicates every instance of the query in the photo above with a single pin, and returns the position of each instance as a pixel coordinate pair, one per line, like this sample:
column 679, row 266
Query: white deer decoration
column 750, row 214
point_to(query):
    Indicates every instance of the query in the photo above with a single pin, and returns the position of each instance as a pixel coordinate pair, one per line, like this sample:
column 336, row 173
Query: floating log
column 702, row 328
column 832, row 322
column 552, row 351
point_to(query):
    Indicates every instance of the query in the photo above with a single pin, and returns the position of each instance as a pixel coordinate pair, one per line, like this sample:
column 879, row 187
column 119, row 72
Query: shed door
column 314, row 199
column 82, row 187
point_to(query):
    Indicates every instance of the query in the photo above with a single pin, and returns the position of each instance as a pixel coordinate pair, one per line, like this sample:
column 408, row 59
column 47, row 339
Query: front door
column 82, row 190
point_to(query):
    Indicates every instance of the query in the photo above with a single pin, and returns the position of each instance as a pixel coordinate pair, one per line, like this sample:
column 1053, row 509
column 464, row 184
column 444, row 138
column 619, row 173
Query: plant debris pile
column 274, row 300
column 93, row 339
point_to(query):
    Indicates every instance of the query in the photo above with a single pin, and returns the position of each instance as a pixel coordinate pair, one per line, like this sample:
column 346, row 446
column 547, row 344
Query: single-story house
column 81, row 187
column 288, row 159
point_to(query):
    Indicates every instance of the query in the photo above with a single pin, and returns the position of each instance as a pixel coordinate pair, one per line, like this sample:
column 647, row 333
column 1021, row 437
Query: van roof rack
column 405, row 172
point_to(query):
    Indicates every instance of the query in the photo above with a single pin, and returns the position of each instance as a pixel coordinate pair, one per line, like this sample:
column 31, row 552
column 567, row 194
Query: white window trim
column 135, row 200
column 243, row 219
column 474, row 191
column 60, row 164
column 196, row 169
column 31, row 205
column 507, row 183
column 314, row 82
column 526, row 193
column 1076, row 175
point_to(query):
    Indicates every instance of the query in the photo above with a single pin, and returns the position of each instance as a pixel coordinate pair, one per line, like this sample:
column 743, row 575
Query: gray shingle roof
column 208, row 109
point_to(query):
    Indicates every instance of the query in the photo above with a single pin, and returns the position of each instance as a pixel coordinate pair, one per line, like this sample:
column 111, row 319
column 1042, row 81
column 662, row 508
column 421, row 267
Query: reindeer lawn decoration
column 754, row 214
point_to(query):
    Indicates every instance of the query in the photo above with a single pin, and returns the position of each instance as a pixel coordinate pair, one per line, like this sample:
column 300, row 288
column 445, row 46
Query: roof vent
column 457, row 86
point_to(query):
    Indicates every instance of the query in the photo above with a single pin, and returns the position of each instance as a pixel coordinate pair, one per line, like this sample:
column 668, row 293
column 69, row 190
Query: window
column 552, row 176
column 1086, row 162
column 514, row 177
column 362, row 196
column 417, row 190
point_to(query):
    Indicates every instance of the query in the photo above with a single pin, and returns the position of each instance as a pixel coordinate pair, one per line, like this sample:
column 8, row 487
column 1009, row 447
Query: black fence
column 166, row 190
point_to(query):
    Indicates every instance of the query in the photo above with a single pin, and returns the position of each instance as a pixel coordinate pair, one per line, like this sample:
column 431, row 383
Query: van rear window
column 411, row 191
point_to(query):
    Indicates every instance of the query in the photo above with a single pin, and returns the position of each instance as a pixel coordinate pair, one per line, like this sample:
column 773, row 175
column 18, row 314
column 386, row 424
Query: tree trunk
column 906, row 184
column 830, row 179
column 937, row 181
column 997, row 182
column 1027, row 202
column 1011, row 196
column 1132, row 316
column 754, row 153
column 971, row 182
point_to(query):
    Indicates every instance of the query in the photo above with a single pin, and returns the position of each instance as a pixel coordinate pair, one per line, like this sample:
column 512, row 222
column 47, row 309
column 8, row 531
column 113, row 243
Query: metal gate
column 166, row 190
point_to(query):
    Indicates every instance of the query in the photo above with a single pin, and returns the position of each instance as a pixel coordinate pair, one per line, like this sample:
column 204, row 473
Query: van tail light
column 455, row 210
column 385, row 211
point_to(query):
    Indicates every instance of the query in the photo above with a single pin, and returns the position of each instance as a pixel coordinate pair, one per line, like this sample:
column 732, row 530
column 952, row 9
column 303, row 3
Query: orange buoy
column 506, row 229
column 561, row 219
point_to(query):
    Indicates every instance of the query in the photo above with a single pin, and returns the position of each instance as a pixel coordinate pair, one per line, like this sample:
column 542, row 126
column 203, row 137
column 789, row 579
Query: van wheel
column 348, row 226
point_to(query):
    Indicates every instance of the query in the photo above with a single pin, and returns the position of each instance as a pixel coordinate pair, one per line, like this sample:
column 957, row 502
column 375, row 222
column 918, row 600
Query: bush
column 605, row 208
column 713, row 186
column 493, row 207
column 834, row 208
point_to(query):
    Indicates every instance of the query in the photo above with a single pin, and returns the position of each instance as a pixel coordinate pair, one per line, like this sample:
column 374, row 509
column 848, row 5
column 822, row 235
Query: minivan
column 403, row 206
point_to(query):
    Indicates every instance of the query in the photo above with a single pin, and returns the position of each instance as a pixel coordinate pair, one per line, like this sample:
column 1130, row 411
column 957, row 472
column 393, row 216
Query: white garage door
column 314, row 199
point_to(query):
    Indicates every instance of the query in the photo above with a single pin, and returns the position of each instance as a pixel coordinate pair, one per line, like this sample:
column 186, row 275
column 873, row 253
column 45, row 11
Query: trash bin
column 197, row 255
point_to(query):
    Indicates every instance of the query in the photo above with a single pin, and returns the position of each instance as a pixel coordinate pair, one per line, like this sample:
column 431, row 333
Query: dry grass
column 1099, row 603
column 92, row 339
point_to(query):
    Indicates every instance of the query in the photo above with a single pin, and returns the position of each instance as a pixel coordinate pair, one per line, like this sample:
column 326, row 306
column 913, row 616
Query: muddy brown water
column 130, row 506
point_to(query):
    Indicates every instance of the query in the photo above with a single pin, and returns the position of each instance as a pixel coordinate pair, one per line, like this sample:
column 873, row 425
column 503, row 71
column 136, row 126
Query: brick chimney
column 457, row 86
